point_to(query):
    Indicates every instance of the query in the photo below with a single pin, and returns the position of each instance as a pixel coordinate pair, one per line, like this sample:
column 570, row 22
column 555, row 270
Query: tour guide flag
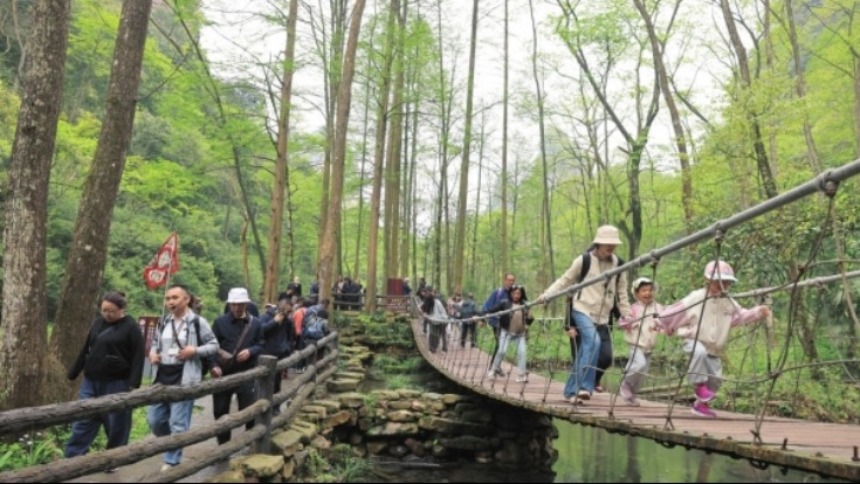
column 165, row 262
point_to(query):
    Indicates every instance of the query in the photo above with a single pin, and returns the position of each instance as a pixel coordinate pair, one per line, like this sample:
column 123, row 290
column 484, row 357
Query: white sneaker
column 167, row 467
column 523, row 379
column 491, row 374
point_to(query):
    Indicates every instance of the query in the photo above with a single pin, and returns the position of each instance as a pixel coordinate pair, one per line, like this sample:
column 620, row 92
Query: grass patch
column 46, row 446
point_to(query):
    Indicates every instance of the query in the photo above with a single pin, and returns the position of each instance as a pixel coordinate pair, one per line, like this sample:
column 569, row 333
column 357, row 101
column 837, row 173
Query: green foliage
column 46, row 446
column 27, row 452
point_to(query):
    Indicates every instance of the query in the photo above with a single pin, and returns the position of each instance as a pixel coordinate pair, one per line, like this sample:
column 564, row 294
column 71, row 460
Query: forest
column 454, row 141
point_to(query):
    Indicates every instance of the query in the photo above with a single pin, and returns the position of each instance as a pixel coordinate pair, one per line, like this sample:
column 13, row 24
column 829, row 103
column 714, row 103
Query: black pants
column 298, row 345
column 604, row 355
column 496, row 332
column 278, row 378
column 437, row 333
column 245, row 394
column 468, row 328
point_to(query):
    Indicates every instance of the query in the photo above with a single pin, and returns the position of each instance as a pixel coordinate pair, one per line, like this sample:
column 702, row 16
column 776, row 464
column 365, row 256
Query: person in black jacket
column 112, row 362
column 279, row 333
column 240, row 334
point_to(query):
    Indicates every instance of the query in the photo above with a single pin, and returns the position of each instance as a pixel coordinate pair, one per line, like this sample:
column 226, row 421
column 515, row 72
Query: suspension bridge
column 748, row 425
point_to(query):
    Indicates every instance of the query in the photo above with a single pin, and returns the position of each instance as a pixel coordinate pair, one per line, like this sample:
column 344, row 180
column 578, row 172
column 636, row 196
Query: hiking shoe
column 523, row 379
column 500, row 372
column 583, row 395
column 702, row 409
column 627, row 395
column 704, row 394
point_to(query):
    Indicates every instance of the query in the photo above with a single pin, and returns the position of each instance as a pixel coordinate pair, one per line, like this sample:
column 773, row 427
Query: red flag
column 165, row 262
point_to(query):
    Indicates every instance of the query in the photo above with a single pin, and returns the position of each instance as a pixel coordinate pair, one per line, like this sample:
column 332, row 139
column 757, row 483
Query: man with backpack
column 467, row 309
column 591, row 310
column 496, row 298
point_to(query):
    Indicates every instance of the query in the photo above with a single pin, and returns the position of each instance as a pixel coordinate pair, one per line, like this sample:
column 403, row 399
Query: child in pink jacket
column 706, row 331
column 640, row 331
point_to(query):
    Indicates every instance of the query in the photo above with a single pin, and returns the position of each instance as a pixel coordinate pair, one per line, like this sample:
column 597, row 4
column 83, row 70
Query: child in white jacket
column 706, row 330
column 640, row 331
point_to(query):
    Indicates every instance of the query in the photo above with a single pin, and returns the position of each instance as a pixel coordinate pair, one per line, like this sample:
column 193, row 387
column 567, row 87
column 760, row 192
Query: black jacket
column 228, row 329
column 277, row 336
column 113, row 351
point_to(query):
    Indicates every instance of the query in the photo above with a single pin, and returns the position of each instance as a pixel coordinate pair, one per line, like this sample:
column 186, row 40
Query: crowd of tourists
column 703, row 331
column 184, row 348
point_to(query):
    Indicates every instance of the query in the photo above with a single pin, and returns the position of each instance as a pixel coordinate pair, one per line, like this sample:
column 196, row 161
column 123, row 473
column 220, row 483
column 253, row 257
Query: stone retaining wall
column 400, row 424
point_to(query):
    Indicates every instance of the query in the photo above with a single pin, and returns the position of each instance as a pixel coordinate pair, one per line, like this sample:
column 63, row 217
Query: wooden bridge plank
column 811, row 445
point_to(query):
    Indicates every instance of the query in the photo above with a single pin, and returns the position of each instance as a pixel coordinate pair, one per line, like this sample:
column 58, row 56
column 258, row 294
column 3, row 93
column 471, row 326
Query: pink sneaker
column 702, row 409
column 704, row 394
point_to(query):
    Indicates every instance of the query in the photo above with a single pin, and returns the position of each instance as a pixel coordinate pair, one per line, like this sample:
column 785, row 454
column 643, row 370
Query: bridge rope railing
column 828, row 183
column 261, row 413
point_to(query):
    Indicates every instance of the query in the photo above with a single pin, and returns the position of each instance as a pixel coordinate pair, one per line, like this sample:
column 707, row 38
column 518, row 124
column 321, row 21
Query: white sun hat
column 607, row 235
column 238, row 295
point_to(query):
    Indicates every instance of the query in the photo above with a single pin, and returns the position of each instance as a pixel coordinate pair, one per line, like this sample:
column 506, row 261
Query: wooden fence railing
column 296, row 390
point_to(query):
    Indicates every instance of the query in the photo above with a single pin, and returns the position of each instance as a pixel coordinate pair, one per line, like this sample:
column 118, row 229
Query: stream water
column 586, row 454
column 593, row 455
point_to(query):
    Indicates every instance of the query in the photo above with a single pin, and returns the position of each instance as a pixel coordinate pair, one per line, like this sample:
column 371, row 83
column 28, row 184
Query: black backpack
column 467, row 309
column 586, row 266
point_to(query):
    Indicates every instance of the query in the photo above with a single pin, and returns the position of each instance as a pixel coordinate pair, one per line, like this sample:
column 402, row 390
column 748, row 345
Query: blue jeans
column 504, row 341
column 168, row 419
column 117, row 424
column 585, row 359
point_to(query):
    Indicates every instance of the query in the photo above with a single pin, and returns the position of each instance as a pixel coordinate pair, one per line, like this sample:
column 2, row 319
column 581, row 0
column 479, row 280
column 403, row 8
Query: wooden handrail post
column 266, row 390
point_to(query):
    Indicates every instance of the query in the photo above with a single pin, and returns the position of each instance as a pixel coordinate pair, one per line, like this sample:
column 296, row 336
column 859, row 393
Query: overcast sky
column 237, row 39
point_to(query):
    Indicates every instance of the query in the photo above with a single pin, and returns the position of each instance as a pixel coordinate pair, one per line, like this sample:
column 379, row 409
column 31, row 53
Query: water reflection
column 588, row 454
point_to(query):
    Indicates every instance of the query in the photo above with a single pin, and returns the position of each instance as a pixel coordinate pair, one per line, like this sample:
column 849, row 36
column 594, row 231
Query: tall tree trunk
column 856, row 102
column 394, row 158
column 445, row 100
column 331, row 53
column 473, row 261
column 503, row 225
column 547, row 209
column 88, row 254
column 378, row 164
column 339, row 153
column 800, row 86
column 410, row 154
column 23, row 352
column 762, row 162
column 412, row 188
column 271, row 282
column 460, row 230
column 677, row 127
column 364, row 131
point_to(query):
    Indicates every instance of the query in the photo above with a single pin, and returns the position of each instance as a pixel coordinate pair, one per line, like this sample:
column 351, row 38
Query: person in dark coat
column 112, row 362
column 245, row 345
column 278, row 333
